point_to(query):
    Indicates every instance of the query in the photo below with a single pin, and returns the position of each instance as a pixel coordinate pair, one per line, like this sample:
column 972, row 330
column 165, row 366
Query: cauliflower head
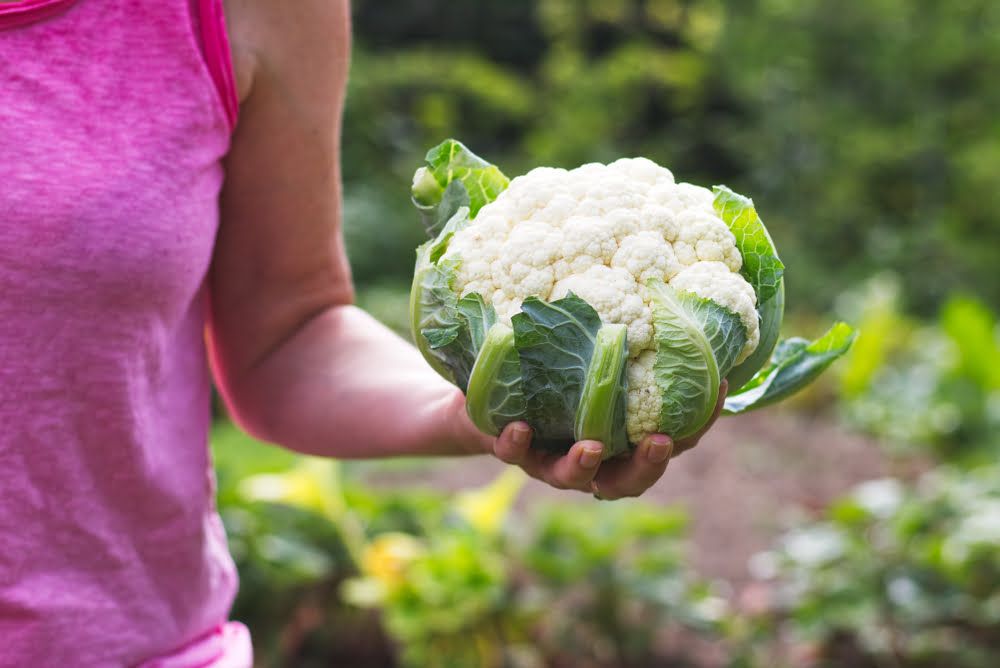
column 603, row 233
column 604, row 302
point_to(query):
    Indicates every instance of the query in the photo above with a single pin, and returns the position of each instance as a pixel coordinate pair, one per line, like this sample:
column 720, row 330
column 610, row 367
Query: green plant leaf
column 454, row 177
column 458, row 344
column 723, row 328
column 692, row 335
column 436, row 322
column 973, row 329
column 432, row 304
column 453, row 346
column 435, row 216
column 761, row 266
column 494, row 398
column 795, row 363
column 555, row 342
column 771, row 314
column 601, row 413
column 479, row 318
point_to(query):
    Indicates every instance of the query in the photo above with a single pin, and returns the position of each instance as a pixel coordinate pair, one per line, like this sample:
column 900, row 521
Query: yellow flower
column 312, row 484
column 387, row 556
column 486, row 508
column 383, row 565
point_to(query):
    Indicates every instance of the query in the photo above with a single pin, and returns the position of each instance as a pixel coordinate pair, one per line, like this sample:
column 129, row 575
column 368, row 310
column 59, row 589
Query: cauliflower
column 603, row 232
column 606, row 301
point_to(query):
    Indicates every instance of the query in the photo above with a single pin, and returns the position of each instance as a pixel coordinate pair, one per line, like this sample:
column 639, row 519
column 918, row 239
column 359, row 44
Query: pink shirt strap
column 15, row 14
column 215, row 42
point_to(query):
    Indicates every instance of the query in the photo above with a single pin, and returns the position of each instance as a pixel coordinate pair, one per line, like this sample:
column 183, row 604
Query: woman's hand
column 582, row 469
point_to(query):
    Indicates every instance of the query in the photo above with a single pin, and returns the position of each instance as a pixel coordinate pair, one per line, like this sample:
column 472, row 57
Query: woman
column 118, row 142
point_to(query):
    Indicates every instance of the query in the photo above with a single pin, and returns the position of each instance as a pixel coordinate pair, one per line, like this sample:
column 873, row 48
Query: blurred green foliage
column 892, row 575
column 453, row 581
column 866, row 132
column 923, row 386
column 637, row 583
column 334, row 570
column 873, row 139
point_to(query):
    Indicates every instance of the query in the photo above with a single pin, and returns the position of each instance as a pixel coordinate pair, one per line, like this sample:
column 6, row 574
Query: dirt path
column 747, row 479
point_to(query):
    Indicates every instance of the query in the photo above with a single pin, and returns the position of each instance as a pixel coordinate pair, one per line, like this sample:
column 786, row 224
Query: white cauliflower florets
column 587, row 242
column 603, row 232
column 524, row 264
column 646, row 255
column 644, row 400
column 615, row 296
column 704, row 237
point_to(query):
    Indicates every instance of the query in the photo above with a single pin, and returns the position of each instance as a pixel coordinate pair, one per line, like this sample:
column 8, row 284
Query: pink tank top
column 114, row 115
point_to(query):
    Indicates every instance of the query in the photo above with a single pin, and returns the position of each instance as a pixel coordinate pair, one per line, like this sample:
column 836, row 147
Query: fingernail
column 659, row 449
column 590, row 456
column 521, row 435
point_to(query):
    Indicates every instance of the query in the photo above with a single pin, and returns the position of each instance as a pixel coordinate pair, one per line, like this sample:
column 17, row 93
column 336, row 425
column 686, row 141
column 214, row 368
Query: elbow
column 250, row 413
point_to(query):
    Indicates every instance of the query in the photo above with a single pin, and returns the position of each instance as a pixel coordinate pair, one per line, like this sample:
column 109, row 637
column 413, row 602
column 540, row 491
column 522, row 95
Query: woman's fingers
column 581, row 468
column 574, row 470
column 631, row 477
column 514, row 443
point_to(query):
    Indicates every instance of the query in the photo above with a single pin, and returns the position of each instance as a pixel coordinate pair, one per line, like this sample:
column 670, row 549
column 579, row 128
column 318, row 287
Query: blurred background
column 857, row 526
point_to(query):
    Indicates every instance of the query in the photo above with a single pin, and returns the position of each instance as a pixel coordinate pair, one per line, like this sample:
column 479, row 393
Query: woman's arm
column 297, row 364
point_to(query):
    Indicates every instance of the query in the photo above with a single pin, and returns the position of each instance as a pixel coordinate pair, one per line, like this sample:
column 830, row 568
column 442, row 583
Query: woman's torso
column 112, row 129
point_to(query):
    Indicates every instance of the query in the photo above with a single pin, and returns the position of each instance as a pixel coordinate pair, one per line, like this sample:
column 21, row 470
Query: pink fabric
column 111, row 134
column 215, row 46
column 227, row 646
column 13, row 14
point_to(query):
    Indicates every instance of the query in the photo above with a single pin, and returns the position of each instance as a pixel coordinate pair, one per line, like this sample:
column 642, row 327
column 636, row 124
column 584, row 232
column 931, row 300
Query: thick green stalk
column 600, row 415
column 497, row 350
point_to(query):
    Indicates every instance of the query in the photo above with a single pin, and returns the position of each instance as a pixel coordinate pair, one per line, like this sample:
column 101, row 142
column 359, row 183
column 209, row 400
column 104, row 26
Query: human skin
column 296, row 362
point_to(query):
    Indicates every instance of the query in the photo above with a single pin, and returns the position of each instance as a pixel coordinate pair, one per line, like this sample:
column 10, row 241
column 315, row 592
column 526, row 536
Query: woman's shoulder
column 289, row 41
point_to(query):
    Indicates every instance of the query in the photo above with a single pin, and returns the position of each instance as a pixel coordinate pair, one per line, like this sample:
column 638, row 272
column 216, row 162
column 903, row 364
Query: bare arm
column 297, row 364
